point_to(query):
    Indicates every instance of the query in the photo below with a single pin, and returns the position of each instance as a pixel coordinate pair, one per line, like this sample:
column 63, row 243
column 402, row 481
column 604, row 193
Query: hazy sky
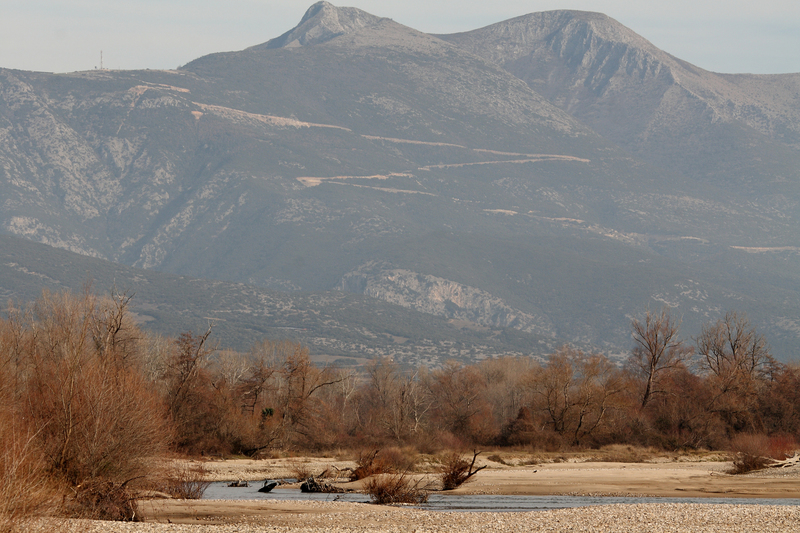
column 68, row 35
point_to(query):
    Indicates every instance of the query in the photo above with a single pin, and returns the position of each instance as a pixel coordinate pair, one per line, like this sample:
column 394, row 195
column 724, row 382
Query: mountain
column 357, row 155
column 738, row 131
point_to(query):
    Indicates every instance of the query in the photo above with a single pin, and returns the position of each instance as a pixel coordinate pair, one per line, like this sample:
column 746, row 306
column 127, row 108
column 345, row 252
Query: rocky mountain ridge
column 657, row 106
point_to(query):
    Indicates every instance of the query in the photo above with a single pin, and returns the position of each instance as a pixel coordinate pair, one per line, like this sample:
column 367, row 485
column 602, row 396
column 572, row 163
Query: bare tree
column 505, row 389
column 658, row 350
column 553, row 387
column 396, row 400
column 458, row 397
column 576, row 391
column 738, row 363
column 94, row 417
column 301, row 380
column 731, row 348
column 183, row 370
column 114, row 334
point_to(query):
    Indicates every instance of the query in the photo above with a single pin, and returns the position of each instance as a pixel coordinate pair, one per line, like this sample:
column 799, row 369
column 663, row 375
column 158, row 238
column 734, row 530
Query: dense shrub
column 98, row 499
column 396, row 488
column 751, row 452
column 74, row 376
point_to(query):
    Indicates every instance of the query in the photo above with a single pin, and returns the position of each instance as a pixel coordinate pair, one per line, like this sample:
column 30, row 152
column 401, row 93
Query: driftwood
column 312, row 484
column 786, row 463
column 269, row 484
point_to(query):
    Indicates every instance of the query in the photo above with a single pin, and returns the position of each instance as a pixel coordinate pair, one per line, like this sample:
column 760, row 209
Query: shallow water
column 475, row 502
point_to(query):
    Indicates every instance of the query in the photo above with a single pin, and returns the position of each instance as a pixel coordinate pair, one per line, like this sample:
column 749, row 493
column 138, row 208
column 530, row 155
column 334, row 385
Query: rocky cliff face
column 441, row 297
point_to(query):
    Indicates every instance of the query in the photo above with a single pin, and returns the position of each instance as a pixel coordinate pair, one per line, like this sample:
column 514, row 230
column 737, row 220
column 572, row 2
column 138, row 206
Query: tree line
column 89, row 395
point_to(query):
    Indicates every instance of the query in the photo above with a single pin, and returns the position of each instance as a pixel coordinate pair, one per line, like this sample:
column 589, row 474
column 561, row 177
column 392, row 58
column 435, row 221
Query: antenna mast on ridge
column 101, row 60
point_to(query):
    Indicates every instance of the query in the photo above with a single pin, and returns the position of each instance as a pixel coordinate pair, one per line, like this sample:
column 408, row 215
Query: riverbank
column 681, row 477
column 673, row 478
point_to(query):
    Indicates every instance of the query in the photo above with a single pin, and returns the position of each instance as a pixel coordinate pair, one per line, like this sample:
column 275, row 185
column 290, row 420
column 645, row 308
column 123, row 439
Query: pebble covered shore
column 338, row 517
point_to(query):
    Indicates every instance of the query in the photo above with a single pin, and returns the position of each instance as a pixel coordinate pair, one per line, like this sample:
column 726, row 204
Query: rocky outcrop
column 441, row 297
column 322, row 22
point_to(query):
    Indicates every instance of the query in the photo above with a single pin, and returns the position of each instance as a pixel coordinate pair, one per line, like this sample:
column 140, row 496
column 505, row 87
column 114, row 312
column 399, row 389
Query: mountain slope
column 355, row 153
column 334, row 325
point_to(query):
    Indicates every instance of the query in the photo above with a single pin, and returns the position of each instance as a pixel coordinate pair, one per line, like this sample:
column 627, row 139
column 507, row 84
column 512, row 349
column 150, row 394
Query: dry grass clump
column 751, row 453
column 387, row 461
column 187, row 482
column 387, row 489
column 497, row 459
column 622, row 453
column 300, row 470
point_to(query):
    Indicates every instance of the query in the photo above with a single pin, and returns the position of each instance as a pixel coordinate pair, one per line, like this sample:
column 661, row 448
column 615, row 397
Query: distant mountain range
column 537, row 181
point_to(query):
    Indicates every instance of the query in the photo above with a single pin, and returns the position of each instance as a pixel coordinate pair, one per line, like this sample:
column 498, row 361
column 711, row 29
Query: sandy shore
column 689, row 480
column 693, row 479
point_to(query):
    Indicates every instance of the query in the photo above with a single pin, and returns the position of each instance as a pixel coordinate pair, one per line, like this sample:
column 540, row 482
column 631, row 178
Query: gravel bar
column 344, row 517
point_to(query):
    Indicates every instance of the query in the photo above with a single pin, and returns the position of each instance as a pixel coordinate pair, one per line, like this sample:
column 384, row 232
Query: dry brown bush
column 396, row 488
column 186, row 482
column 782, row 446
column 387, row 461
column 102, row 500
column 455, row 470
column 399, row 459
column 300, row 471
column 77, row 383
column 84, row 393
column 751, row 452
column 25, row 489
column 370, row 464
column 435, row 441
column 497, row 459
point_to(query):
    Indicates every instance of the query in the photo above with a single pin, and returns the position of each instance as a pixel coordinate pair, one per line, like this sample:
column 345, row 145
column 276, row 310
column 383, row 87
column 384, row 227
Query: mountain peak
column 565, row 31
column 322, row 22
